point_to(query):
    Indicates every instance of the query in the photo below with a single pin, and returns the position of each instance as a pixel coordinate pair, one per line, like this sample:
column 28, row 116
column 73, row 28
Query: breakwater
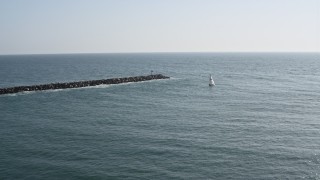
column 78, row 84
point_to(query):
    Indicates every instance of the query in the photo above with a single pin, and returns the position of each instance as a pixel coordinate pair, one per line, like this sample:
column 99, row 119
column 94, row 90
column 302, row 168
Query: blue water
column 260, row 121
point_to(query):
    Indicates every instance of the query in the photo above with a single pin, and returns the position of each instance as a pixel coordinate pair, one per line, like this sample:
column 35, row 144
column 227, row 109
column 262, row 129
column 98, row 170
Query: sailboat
column 211, row 82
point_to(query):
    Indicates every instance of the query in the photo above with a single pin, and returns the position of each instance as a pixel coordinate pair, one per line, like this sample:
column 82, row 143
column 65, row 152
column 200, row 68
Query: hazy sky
column 102, row 26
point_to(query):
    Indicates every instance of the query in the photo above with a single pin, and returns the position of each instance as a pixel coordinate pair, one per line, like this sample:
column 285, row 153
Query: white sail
column 211, row 82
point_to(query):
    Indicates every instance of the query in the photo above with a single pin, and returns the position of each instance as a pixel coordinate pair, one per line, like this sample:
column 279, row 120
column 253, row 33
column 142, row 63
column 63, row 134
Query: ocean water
column 260, row 121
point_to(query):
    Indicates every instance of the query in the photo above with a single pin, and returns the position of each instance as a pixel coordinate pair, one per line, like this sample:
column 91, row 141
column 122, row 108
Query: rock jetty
column 79, row 84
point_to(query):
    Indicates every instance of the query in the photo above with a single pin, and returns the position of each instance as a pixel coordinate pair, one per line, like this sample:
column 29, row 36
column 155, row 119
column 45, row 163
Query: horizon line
column 158, row 52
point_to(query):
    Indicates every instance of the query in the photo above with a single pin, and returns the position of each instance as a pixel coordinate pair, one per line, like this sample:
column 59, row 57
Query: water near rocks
column 260, row 121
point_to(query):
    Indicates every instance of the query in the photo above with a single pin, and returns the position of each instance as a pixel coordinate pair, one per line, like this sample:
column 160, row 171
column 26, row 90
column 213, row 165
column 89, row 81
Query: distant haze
column 104, row 26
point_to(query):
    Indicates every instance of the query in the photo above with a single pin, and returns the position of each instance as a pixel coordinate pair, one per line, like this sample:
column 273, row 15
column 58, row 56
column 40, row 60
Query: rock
column 80, row 84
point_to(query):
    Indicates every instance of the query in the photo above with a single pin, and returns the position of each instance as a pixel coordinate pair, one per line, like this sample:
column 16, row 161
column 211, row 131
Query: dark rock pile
column 80, row 84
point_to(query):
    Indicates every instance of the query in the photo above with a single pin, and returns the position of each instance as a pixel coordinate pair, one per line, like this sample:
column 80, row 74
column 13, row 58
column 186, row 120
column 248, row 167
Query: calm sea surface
column 260, row 121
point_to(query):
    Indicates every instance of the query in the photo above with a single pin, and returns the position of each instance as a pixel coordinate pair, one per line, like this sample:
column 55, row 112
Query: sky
column 116, row 26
